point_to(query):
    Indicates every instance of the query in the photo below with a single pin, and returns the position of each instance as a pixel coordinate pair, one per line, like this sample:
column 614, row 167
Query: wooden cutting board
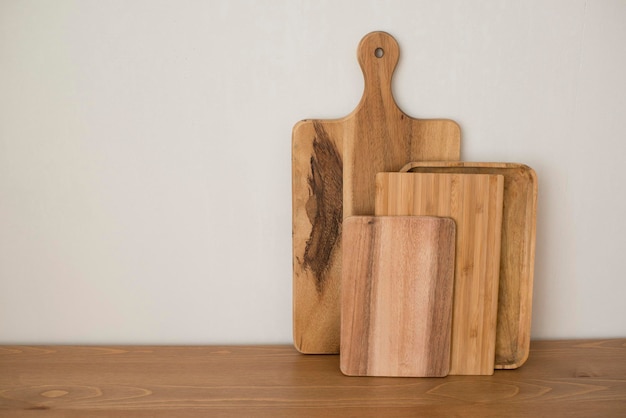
column 396, row 295
column 517, row 256
column 474, row 201
column 333, row 167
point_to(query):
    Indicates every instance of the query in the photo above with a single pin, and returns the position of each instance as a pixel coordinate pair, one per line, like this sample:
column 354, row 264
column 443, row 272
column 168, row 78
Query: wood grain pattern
column 475, row 203
column 396, row 295
column 343, row 155
column 584, row 378
column 517, row 256
column 317, row 204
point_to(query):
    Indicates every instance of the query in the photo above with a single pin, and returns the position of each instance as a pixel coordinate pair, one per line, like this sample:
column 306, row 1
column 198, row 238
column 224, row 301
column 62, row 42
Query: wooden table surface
column 582, row 378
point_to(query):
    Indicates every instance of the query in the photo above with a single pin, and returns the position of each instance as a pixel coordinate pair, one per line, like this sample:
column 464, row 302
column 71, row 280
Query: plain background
column 145, row 191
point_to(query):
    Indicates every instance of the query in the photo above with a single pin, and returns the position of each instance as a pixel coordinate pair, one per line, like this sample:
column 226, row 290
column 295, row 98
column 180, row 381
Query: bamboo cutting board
column 396, row 296
column 517, row 256
column 334, row 163
column 475, row 203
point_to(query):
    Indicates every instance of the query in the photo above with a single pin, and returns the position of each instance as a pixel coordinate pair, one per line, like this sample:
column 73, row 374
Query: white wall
column 145, row 192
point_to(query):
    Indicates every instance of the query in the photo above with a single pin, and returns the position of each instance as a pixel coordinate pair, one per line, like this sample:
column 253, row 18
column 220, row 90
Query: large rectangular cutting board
column 517, row 258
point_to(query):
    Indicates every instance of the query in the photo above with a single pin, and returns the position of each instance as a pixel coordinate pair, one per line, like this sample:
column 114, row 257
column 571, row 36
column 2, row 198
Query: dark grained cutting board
column 334, row 163
column 517, row 257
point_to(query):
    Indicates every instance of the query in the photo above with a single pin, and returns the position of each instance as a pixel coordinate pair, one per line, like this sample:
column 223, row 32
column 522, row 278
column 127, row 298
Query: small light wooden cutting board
column 474, row 201
column 333, row 167
column 396, row 295
column 517, row 256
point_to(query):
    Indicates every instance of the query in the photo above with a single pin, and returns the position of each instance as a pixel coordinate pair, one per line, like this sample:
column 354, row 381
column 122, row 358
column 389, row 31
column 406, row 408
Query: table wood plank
column 577, row 378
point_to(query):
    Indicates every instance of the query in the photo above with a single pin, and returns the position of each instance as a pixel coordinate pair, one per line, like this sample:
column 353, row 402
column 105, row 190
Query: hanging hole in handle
column 379, row 52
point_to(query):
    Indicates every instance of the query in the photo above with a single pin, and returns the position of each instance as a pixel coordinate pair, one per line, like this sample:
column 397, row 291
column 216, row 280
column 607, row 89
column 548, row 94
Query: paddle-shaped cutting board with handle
column 334, row 163
column 517, row 256
column 396, row 295
column 474, row 201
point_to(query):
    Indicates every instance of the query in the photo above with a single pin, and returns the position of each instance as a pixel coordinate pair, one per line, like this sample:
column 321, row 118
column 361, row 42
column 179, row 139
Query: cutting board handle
column 378, row 54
